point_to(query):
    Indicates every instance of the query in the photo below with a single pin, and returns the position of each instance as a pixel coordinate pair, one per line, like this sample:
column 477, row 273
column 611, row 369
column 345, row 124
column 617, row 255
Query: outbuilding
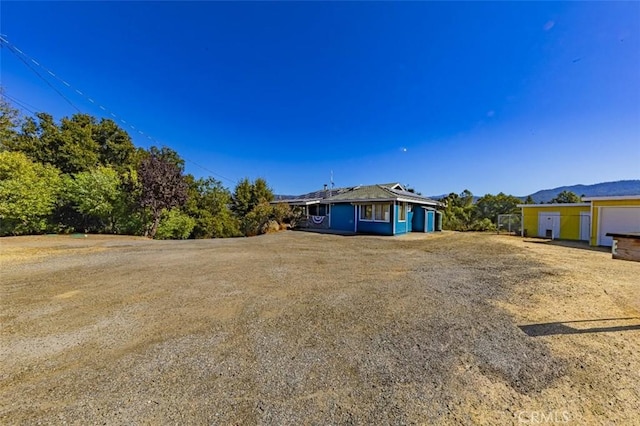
column 590, row 220
column 611, row 215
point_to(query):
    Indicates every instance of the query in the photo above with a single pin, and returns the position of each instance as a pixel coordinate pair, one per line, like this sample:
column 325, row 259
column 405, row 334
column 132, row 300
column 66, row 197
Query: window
column 402, row 212
column 375, row 212
column 366, row 212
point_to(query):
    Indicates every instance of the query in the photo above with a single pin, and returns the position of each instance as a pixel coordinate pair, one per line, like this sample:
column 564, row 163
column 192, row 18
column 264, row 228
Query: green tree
column 254, row 222
column 458, row 211
column 68, row 146
column 28, row 193
column 247, row 195
column 78, row 151
column 37, row 138
column 529, row 200
column 565, row 197
column 208, row 204
column 95, row 194
column 115, row 148
column 8, row 122
column 490, row 206
column 175, row 225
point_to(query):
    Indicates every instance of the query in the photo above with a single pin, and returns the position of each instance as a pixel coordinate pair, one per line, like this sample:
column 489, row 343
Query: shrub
column 174, row 224
column 254, row 221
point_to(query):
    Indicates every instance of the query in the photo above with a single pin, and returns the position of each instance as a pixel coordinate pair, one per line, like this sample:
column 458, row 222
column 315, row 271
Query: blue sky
column 442, row 96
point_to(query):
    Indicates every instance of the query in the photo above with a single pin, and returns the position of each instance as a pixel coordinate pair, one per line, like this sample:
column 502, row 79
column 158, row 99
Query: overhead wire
column 23, row 105
column 28, row 61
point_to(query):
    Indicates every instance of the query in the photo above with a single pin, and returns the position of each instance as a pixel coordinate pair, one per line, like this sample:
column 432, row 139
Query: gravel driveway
column 303, row 328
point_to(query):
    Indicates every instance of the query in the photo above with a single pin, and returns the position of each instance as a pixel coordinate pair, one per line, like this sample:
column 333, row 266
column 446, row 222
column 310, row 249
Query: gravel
column 296, row 327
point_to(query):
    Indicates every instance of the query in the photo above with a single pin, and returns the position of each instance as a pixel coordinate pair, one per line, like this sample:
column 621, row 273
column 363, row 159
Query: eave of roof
column 612, row 198
column 555, row 205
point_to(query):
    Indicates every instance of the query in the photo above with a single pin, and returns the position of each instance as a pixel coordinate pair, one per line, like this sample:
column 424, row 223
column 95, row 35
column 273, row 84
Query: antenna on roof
column 332, row 184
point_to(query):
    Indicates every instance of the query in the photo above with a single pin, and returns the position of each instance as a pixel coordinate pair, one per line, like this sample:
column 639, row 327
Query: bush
column 174, row 224
column 281, row 212
column 253, row 223
column 483, row 225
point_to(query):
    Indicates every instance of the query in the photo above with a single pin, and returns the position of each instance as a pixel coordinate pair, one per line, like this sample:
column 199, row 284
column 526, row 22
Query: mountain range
column 603, row 189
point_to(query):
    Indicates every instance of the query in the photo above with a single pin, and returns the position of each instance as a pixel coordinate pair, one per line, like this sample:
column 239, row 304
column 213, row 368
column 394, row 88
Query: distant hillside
column 604, row 189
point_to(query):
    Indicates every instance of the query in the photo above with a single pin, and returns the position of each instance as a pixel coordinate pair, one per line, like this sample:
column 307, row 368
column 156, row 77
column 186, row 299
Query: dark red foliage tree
column 163, row 186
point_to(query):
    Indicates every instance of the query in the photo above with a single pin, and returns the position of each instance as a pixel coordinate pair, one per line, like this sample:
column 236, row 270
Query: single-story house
column 383, row 209
column 590, row 220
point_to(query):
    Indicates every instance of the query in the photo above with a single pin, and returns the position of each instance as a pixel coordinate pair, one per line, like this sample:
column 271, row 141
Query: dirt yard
column 303, row 328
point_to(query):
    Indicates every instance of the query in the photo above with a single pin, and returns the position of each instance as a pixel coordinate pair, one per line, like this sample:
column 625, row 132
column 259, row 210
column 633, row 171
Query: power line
column 21, row 104
column 40, row 75
column 28, row 60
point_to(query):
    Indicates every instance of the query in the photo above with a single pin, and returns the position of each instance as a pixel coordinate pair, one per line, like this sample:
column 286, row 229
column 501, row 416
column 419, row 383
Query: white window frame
column 385, row 210
column 402, row 207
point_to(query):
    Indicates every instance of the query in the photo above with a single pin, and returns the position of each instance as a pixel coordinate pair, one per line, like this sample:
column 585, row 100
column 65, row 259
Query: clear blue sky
column 501, row 96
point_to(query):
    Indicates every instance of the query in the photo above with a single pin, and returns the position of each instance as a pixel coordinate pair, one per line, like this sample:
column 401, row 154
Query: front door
column 585, row 226
column 549, row 225
column 429, row 221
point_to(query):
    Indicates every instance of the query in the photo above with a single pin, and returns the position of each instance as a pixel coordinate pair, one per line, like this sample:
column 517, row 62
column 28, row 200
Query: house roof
column 612, row 198
column 385, row 192
column 555, row 205
column 310, row 197
column 393, row 191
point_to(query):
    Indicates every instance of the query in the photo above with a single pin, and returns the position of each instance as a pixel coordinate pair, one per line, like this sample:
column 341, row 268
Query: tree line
column 82, row 174
column 461, row 213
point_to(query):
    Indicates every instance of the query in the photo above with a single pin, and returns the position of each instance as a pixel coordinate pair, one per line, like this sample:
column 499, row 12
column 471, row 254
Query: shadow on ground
column 583, row 245
column 554, row 328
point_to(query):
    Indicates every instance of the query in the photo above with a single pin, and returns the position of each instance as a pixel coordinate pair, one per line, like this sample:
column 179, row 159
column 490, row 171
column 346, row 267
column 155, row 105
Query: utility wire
column 27, row 60
column 21, row 104
column 40, row 75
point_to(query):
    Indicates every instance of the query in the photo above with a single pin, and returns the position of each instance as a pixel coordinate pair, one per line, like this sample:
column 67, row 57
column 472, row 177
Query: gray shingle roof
column 380, row 193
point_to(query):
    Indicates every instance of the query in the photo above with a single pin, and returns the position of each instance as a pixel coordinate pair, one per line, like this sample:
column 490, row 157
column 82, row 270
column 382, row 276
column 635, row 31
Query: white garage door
column 617, row 219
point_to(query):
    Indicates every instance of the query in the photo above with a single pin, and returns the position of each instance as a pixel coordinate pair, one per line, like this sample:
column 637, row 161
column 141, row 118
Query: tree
column 162, row 186
column 115, row 148
column 28, row 193
column 37, row 139
column 208, row 204
column 458, row 212
column 565, row 197
column 254, row 222
column 8, row 122
column 69, row 147
column 529, row 200
column 248, row 195
column 175, row 225
column 490, row 206
column 95, row 194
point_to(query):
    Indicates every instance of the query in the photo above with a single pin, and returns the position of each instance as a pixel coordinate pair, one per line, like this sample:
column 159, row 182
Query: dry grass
column 296, row 327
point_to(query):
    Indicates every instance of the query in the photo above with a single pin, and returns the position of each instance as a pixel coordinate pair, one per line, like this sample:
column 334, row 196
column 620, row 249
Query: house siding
column 569, row 219
column 417, row 222
column 379, row 228
column 342, row 217
column 595, row 211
